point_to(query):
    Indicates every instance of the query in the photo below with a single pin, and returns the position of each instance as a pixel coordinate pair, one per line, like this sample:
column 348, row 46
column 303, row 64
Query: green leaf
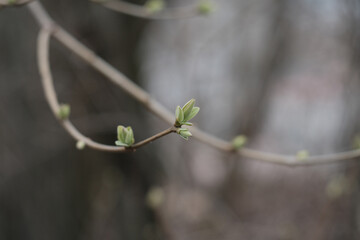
column 154, row 6
column 80, row 145
column 205, row 7
column 187, row 123
column 239, row 141
column 120, row 144
column 130, row 136
column 184, row 133
column 193, row 113
column 179, row 114
column 128, row 139
column 121, row 133
column 302, row 155
column 155, row 197
column 64, row 111
column 356, row 142
column 188, row 107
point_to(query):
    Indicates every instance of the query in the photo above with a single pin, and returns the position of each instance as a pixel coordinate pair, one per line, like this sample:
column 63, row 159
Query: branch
column 153, row 138
column 50, row 94
column 142, row 12
column 7, row 3
column 155, row 107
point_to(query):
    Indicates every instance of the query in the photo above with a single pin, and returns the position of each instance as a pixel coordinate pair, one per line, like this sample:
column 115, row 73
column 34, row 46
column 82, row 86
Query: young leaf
column 205, row 7
column 239, row 141
column 64, row 111
column 179, row 114
column 184, row 133
column 188, row 107
column 121, row 133
column 80, row 145
column 128, row 139
column 154, row 6
column 302, row 155
column 120, row 144
column 192, row 114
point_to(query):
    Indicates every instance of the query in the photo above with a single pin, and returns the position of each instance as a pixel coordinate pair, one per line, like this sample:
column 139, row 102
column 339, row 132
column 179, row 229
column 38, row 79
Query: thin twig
column 155, row 107
column 153, row 138
column 50, row 94
column 142, row 12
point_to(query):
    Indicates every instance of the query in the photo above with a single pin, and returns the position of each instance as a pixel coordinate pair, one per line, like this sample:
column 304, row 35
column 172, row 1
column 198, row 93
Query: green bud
column 356, row 142
column 129, row 139
column 120, row 133
column 179, row 114
column 188, row 107
column 80, row 145
column 302, row 155
column 186, row 113
column 125, row 136
column 155, row 197
column 239, row 141
column 205, row 7
column 192, row 114
column 154, row 6
column 64, row 111
column 337, row 187
column 184, row 133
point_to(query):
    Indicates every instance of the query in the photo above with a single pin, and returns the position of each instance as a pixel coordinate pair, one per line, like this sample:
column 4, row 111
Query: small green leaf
column 154, row 6
column 129, row 139
column 239, row 141
column 125, row 136
column 356, row 142
column 338, row 186
column 302, row 155
column 120, row 144
column 64, row 111
column 121, row 133
column 179, row 114
column 205, row 7
column 80, row 145
column 192, row 114
column 188, row 107
column 184, row 133
column 155, row 197
column 184, row 114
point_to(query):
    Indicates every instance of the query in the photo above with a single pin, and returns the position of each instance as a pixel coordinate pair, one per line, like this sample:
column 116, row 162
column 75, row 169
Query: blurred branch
column 4, row 3
column 47, row 81
column 49, row 27
column 192, row 10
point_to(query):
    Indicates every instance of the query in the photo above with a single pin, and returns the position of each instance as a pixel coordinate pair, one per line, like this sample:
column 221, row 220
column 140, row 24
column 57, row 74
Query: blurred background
column 285, row 73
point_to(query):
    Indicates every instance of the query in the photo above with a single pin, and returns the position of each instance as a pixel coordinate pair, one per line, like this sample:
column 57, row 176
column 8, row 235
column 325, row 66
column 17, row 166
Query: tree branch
column 50, row 94
column 143, row 97
column 153, row 138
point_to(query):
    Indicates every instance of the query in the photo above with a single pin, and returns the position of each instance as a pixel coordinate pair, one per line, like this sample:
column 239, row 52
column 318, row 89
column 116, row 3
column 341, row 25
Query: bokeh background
column 285, row 73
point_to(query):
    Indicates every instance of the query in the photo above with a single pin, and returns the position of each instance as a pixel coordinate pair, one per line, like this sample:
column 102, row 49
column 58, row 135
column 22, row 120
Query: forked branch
column 143, row 97
column 50, row 94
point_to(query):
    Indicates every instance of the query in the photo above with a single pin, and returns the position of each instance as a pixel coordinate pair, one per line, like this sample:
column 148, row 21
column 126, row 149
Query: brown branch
column 50, row 94
column 142, row 12
column 143, row 97
column 153, row 138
